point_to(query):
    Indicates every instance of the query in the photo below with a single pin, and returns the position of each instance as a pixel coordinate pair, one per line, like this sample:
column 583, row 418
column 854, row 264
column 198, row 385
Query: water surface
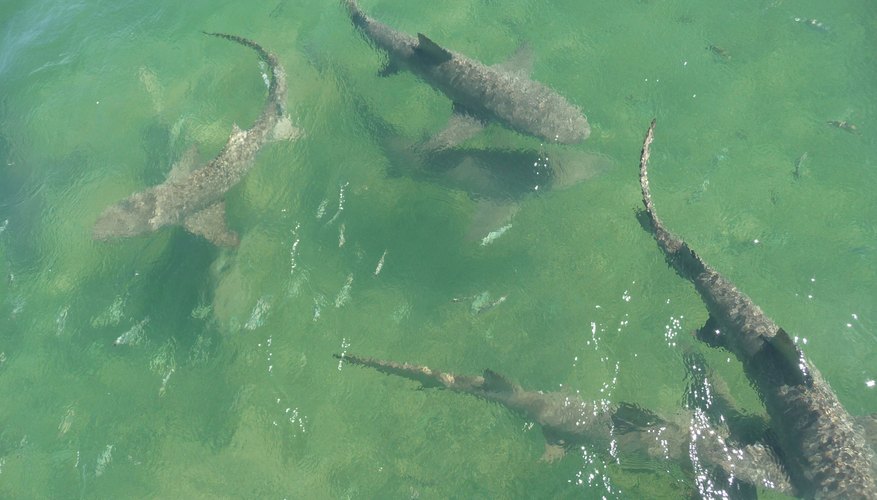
column 225, row 386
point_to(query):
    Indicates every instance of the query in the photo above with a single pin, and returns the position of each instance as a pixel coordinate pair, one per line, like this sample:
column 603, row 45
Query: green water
column 231, row 390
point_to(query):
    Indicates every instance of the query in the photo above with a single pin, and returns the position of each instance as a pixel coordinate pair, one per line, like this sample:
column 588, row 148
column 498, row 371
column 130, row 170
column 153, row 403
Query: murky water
column 161, row 366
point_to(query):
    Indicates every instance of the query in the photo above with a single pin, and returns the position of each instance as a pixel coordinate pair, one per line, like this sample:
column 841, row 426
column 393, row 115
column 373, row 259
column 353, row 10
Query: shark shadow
column 195, row 198
column 479, row 92
column 497, row 179
column 823, row 450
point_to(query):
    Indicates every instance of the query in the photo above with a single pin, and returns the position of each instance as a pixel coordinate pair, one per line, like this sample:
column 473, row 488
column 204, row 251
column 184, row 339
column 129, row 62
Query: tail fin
column 423, row 374
column 683, row 259
column 269, row 58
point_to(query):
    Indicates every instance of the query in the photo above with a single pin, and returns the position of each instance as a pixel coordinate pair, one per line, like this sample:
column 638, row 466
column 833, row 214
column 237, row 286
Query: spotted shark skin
column 568, row 420
column 824, row 451
column 482, row 92
column 195, row 199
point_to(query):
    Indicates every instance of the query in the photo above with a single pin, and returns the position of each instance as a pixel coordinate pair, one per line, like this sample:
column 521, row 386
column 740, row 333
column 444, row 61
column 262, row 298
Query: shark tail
column 358, row 17
column 668, row 242
column 423, row 374
column 686, row 262
column 269, row 58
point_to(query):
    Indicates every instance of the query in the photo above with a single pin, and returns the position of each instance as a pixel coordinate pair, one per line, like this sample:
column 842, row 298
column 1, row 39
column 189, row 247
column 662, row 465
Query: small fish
column 66, row 421
column 135, row 335
column 163, row 388
column 61, row 319
column 340, row 203
column 103, row 460
column 316, row 309
column 719, row 52
column 293, row 251
column 257, row 317
column 799, row 166
column 493, row 235
column 493, row 304
column 344, row 294
column 380, row 263
column 321, row 210
column 482, row 302
column 812, row 23
column 844, row 125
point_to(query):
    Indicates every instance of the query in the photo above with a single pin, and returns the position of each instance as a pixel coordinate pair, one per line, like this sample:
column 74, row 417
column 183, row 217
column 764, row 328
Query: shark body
column 824, row 451
column 195, row 199
column 479, row 92
column 567, row 420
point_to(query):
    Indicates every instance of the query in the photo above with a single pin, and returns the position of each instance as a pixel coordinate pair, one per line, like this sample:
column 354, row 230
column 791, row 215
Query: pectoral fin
column 284, row 130
column 710, row 333
column 210, row 223
column 185, row 165
column 553, row 453
column 460, row 127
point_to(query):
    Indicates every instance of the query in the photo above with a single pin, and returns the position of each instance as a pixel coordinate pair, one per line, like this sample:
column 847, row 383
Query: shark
column 823, row 448
column 567, row 421
column 479, row 92
column 195, row 198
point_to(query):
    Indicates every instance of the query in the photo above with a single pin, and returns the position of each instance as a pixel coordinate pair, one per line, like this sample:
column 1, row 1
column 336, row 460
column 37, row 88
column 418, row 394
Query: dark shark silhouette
column 567, row 420
column 479, row 92
column 497, row 179
column 823, row 449
column 195, row 199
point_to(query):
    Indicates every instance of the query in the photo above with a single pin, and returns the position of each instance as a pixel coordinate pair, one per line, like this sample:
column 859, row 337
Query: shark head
column 129, row 217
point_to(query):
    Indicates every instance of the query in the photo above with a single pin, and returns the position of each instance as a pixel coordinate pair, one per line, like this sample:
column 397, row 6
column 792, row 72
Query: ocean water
column 162, row 367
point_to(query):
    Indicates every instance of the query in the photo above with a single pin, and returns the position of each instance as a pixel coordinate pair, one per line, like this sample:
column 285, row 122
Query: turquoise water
column 228, row 388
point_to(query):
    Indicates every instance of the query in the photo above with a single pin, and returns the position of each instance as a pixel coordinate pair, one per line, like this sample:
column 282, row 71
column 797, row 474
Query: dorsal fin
column 494, row 382
column 431, row 51
column 790, row 358
column 185, row 165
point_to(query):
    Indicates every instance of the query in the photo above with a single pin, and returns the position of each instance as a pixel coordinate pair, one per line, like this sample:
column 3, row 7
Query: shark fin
column 460, row 127
column 520, row 63
column 185, row 165
column 710, row 333
column 790, row 357
column 494, row 382
column 554, row 451
column 210, row 223
column 432, row 52
column 630, row 418
column 284, row 130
